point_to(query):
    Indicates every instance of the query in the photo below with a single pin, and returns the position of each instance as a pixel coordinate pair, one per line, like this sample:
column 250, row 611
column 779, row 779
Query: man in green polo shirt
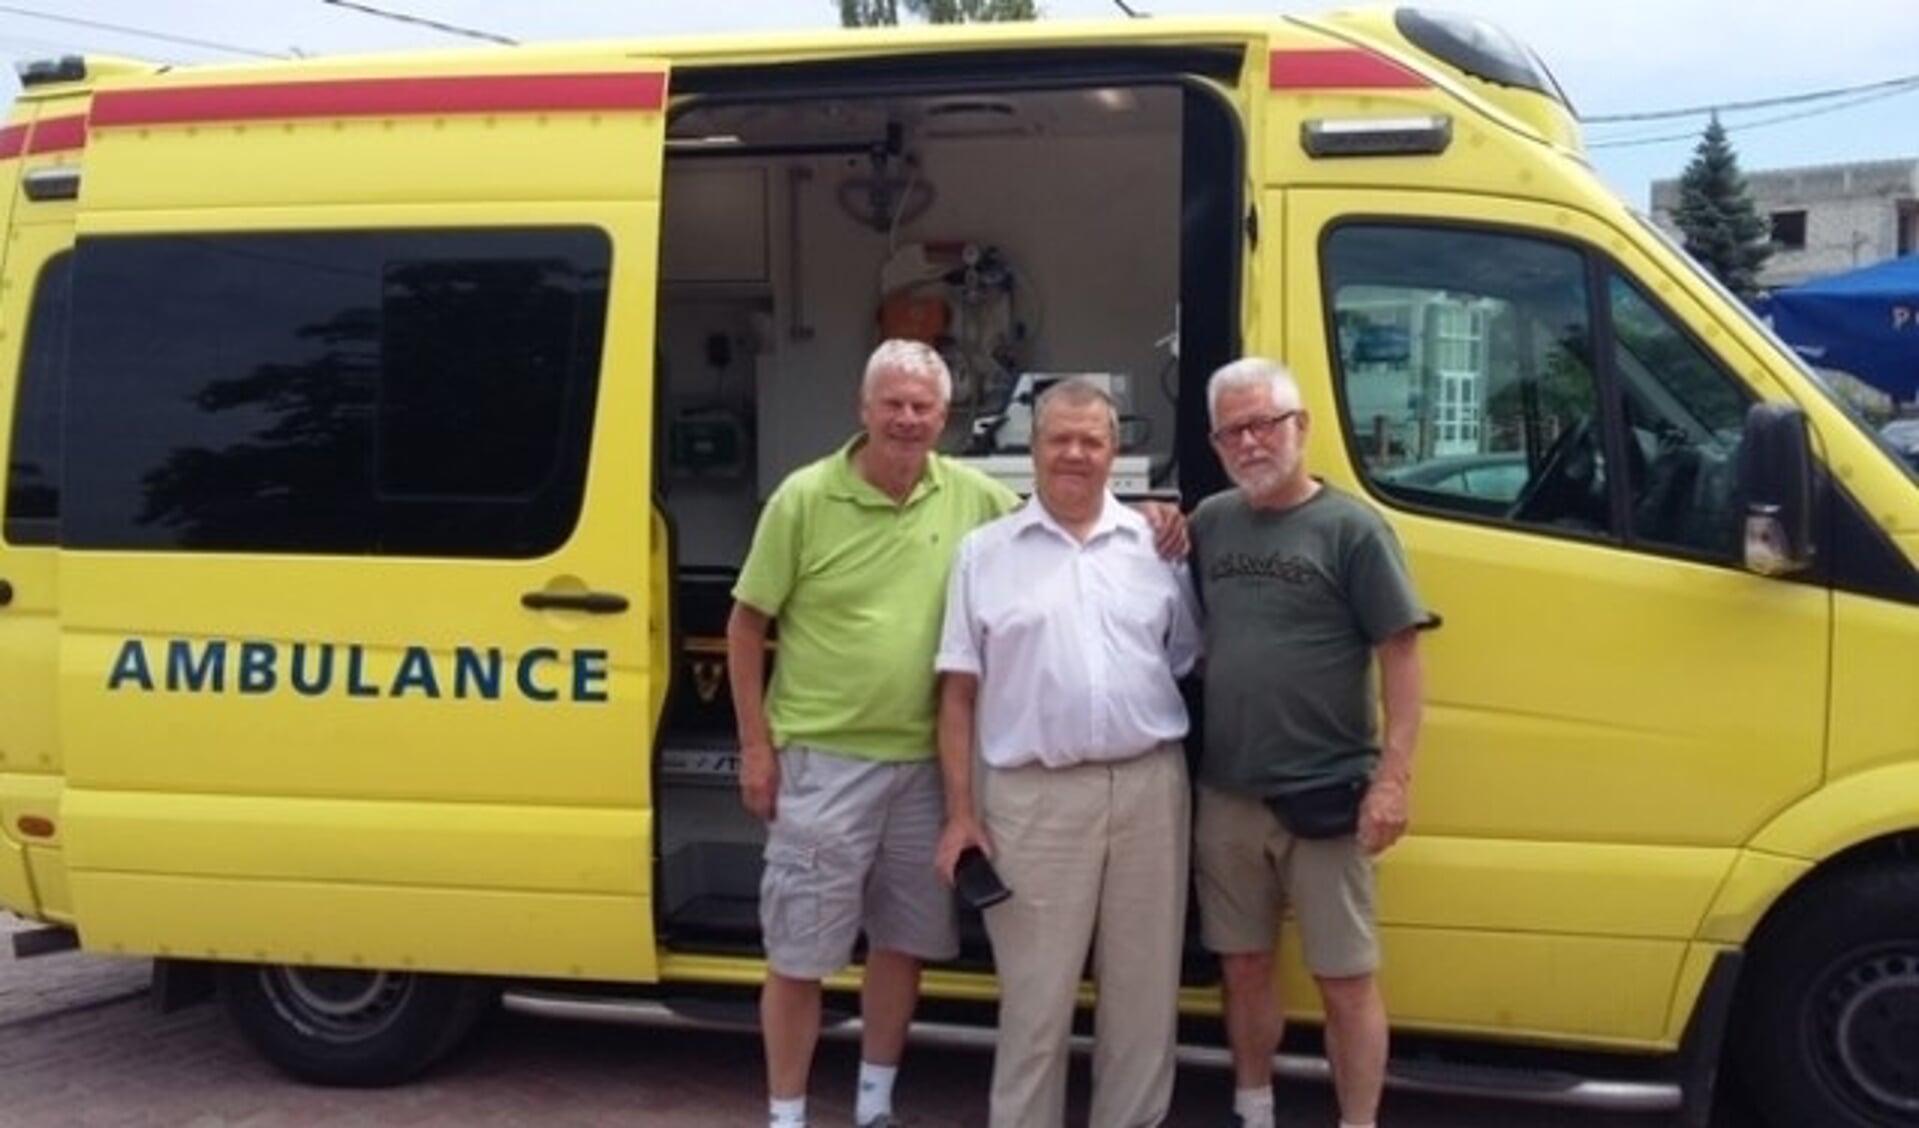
column 851, row 557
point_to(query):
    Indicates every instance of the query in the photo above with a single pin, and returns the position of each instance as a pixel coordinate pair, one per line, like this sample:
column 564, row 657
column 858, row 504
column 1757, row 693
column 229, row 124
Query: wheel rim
column 1869, row 1029
column 336, row 1004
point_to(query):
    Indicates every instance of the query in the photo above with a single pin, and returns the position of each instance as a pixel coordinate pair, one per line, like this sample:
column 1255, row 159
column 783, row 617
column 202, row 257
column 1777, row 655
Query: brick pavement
column 81, row 1045
column 47, row 985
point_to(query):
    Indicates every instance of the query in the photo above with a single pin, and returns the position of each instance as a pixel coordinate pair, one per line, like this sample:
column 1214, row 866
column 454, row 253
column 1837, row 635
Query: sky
column 1611, row 56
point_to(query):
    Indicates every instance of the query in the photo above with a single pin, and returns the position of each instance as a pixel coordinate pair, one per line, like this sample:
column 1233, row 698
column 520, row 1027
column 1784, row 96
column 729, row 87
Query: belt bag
column 1328, row 811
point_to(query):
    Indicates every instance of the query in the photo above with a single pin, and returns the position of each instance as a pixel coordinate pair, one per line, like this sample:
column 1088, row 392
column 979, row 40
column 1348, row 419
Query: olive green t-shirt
column 857, row 582
column 1295, row 601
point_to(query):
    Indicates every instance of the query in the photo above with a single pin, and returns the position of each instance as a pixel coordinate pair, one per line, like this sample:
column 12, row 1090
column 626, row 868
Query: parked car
column 1493, row 475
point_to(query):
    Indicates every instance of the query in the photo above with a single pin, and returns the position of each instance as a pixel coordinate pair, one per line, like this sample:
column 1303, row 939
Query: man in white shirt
column 1064, row 633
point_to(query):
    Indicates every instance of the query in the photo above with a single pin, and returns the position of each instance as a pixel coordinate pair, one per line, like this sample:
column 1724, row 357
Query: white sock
column 1254, row 1107
column 789, row 1113
column 876, row 1092
column 1350, row 1124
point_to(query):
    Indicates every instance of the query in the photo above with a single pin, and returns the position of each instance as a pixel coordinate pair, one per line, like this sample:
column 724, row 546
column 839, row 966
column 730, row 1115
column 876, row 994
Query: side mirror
column 1775, row 478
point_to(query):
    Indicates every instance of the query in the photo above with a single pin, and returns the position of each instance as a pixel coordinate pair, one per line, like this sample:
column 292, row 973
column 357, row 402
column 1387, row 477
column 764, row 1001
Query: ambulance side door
column 356, row 660
column 1613, row 704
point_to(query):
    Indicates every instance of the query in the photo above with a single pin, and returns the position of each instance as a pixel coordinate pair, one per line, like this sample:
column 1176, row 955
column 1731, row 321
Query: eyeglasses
column 1260, row 427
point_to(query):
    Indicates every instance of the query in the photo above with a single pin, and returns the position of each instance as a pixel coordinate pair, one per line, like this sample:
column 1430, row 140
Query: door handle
column 591, row 602
column 6, row 593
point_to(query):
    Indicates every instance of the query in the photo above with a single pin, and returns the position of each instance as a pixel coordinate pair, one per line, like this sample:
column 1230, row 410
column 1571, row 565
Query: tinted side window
column 1685, row 418
column 1466, row 367
column 401, row 393
column 473, row 347
column 33, row 457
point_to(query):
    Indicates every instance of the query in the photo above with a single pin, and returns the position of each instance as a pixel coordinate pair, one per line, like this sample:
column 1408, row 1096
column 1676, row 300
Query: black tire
column 353, row 1028
column 1827, row 1031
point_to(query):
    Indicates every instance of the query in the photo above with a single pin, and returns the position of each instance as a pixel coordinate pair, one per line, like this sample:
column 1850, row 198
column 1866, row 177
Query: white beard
column 1263, row 480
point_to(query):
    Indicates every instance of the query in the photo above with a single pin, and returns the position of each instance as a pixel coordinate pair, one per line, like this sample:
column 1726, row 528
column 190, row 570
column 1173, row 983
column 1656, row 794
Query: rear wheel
column 1828, row 1029
column 334, row 1026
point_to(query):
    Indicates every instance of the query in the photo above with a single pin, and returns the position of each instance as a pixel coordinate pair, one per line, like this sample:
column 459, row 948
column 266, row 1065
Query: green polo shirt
column 858, row 584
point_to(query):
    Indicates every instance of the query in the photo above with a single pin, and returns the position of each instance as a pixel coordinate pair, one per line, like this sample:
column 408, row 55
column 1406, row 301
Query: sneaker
column 883, row 1120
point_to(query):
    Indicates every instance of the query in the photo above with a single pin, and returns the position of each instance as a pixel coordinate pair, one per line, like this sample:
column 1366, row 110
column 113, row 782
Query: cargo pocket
column 790, row 906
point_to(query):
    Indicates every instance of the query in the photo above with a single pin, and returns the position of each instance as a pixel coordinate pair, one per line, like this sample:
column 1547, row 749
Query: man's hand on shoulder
column 1169, row 528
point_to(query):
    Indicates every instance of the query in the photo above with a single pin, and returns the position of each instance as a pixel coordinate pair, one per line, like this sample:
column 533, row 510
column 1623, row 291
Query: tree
column 1724, row 230
column 869, row 13
column 872, row 13
column 973, row 11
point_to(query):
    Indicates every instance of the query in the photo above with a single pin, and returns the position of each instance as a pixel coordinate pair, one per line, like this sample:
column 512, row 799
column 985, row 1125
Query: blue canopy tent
column 1865, row 322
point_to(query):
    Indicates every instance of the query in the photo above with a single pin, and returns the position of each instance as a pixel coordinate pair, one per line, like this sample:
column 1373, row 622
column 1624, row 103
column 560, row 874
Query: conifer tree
column 1723, row 228
column 973, row 11
column 868, row 13
column 872, row 13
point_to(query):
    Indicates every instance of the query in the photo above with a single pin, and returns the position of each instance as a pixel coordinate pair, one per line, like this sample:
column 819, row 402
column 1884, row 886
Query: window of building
column 1789, row 229
column 33, row 458
column 1459, row 348
column 419, row 393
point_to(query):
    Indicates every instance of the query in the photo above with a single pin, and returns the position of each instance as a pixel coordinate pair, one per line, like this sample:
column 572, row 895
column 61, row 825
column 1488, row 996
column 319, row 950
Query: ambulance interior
column 1028, row 234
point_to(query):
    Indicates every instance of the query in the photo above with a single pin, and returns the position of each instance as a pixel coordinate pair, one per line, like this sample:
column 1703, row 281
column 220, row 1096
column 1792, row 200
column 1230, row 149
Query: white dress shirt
column 1076, row 645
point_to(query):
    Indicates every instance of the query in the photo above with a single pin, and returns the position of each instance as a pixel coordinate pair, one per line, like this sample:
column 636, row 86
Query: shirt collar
column 1113, row 518
column 846, row 483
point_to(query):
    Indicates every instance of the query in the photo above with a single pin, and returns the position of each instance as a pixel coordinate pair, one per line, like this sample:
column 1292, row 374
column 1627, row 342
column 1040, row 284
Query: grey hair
column 907, row 358
column 1076, row 391
column 1248, row 373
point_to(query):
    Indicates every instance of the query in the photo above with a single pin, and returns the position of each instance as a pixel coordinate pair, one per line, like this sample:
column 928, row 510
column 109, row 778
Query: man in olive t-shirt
column 1303, row 587
column 1298, row 599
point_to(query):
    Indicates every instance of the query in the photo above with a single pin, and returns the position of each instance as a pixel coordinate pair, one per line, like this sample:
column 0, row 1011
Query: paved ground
column 81, row 1045
column 46, row 987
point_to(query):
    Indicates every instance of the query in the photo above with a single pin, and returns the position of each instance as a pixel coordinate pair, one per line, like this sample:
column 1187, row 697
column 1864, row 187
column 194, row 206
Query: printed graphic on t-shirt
column 1295, row 570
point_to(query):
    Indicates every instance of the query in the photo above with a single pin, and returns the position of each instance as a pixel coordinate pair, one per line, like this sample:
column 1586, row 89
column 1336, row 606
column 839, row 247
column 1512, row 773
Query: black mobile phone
column 978, row 882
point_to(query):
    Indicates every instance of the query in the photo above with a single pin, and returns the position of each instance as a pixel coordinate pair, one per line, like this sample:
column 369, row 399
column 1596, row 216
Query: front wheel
column 334, row 1026
column 1828, row 1027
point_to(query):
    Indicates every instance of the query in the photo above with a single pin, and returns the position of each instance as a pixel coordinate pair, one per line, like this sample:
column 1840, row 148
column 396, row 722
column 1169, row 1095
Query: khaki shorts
column 1249, row 869
column 851, row 846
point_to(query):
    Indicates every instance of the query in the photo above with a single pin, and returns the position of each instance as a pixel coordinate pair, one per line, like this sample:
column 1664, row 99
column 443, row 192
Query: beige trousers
column 1095, row 855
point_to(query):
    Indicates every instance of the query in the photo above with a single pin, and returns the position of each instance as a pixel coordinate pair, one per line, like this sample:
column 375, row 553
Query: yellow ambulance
column 382, row 436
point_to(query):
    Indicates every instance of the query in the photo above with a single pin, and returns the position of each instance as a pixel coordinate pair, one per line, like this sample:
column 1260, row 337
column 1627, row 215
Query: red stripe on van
column 13, row 141
column 53, row 135
column 369, row 97
column 1339, row 69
